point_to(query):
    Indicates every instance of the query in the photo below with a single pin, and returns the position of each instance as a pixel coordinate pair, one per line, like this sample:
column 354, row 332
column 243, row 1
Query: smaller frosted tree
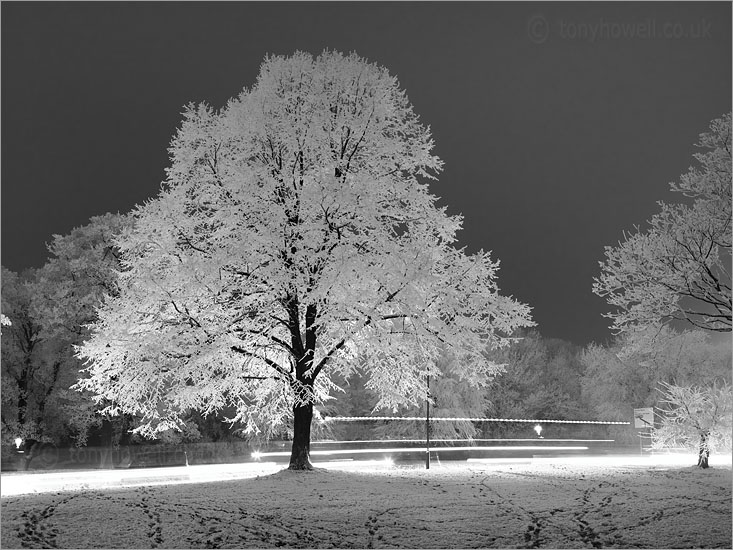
column 81, row 269
column 679, row 268
column 33, row 369
column 25, row 377
column 696, row 417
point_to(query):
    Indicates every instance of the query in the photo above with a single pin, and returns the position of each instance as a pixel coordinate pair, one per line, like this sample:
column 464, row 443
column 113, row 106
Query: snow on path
column 451, row 506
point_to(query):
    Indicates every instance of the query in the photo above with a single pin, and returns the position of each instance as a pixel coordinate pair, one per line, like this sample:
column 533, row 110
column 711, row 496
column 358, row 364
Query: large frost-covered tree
column 294, row 229
column 679, row 268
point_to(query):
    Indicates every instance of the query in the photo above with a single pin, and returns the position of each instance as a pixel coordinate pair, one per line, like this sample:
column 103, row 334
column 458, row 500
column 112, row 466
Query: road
column 19, row 483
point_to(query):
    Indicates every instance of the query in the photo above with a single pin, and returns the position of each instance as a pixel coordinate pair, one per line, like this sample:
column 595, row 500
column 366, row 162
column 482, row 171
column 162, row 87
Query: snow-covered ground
column 560, row 503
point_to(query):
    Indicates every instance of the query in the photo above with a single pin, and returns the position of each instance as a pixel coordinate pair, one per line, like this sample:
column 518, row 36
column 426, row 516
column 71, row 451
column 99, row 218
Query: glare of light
column 256, row 455
column 538, row 430
column 388, row 462
column 75, row 480
column 18, row 442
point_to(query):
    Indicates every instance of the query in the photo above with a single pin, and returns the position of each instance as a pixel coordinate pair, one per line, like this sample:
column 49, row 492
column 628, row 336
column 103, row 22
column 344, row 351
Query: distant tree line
column 675, row 272
column 544, row 378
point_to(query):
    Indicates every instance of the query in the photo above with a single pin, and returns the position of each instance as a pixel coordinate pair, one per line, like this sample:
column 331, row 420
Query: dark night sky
column 552, row 149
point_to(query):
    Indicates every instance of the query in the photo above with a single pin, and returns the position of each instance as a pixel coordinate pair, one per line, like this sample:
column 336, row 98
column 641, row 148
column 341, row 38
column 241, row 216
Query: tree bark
column 300, row 453
column 704, row 452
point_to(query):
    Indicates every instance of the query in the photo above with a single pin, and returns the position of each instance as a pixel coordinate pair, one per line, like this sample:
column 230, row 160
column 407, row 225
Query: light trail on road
column 21, row 483
column 257, row 455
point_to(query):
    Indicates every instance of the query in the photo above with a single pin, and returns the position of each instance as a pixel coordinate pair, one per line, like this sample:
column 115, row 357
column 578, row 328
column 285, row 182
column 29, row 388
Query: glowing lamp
column 256, row 455
column 18, row 442
column 538, row 430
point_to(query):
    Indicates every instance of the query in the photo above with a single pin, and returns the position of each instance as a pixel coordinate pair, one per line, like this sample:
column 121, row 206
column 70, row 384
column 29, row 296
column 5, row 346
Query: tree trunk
column 300, row 453
column 704, row 452
column 22, row 397
column 29, row 450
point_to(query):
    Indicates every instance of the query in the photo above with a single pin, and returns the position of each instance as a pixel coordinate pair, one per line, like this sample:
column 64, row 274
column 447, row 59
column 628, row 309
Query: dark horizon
column 560, row 124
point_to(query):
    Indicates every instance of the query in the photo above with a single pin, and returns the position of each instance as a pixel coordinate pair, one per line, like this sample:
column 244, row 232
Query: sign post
column 643, row 419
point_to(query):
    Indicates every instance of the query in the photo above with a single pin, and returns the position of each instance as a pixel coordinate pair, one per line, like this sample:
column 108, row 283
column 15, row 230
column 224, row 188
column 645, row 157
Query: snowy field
column 573, row 504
